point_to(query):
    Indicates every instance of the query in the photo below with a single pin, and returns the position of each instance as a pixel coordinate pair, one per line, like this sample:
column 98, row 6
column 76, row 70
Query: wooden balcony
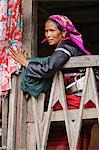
column 26, row 125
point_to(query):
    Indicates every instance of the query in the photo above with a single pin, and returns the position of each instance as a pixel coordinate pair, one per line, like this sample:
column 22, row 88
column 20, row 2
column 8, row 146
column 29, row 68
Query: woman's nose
column 48, row 34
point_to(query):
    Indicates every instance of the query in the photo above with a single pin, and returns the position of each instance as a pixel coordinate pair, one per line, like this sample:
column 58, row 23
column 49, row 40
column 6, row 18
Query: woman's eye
column 49, row 30
column 52, row 30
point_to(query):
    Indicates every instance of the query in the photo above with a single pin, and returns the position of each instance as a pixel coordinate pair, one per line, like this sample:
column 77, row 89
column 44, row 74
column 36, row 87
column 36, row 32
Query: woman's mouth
column 50, row 40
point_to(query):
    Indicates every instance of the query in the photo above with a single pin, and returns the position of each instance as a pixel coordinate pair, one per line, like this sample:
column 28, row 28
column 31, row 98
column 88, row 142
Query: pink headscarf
column 74, row 35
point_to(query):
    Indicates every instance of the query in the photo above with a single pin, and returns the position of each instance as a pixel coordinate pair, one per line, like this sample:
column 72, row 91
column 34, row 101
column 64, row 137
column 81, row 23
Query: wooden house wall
column 31, row 25
column 21, row 129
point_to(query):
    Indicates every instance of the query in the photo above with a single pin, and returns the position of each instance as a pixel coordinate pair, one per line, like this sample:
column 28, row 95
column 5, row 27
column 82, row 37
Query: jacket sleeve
column 48, row 67
column 53, row 64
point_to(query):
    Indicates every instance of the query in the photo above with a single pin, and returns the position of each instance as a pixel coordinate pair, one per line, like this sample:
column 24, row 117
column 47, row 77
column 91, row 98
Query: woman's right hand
column 19, row 56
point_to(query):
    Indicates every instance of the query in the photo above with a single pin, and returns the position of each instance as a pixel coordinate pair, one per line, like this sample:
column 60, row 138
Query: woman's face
column 52, row 33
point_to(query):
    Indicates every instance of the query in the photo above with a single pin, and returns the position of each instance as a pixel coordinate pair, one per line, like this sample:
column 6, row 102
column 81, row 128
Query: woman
column 61, row 33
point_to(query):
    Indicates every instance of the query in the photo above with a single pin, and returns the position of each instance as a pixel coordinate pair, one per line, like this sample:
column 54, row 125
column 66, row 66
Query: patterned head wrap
column 74, row 35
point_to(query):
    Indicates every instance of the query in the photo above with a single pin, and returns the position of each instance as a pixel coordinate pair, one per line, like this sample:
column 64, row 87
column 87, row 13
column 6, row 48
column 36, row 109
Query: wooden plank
column 20, row 119
column 24, row 125
column 68, row 123
column 4, row 121
column 30, row 45
column 40, row 104
column 48, row 116
column 83, row 61
column 30, row 117
column 36, row 126
column 27, row 26
column 88, row 113
column 31, row 142
column 12, row 115
column 30, row 27
column 34, row 28
column 37, row 131
column 95, row 97
column 40, row 110
column 75, row 126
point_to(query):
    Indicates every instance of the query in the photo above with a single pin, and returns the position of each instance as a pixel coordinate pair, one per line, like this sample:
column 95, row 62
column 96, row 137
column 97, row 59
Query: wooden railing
column 26, row 126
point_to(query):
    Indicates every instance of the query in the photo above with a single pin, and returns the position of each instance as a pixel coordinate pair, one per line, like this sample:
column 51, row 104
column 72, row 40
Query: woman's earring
column 64, row 36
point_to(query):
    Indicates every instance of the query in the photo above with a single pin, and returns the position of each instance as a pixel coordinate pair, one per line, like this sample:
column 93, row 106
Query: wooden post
column 30, row 26
column 29, row 45
column 34, row 29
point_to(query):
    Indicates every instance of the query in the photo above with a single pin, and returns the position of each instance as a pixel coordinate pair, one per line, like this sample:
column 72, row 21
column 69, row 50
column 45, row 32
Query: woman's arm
column 54, row 62
column 47, row 68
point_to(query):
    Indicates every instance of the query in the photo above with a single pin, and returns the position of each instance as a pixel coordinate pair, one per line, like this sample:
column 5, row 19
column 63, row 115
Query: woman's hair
column 57, row 24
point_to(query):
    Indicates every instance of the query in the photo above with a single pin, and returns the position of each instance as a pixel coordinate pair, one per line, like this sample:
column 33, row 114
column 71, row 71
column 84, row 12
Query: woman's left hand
column 19, row 56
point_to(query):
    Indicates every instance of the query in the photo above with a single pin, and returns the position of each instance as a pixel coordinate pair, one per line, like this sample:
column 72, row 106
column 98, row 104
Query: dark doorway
column 84, row 15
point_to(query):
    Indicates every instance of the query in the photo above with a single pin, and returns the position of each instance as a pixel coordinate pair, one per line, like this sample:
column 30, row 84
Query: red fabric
column 10, row 35
column 58, row 138
column 57, row 145
column 73, row 102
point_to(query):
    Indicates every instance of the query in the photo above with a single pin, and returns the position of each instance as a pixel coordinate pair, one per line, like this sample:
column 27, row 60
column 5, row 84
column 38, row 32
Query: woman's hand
column 20, row 57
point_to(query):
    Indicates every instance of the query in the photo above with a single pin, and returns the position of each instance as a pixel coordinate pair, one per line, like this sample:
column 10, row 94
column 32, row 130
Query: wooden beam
column 87, row 114
column 83, row 61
